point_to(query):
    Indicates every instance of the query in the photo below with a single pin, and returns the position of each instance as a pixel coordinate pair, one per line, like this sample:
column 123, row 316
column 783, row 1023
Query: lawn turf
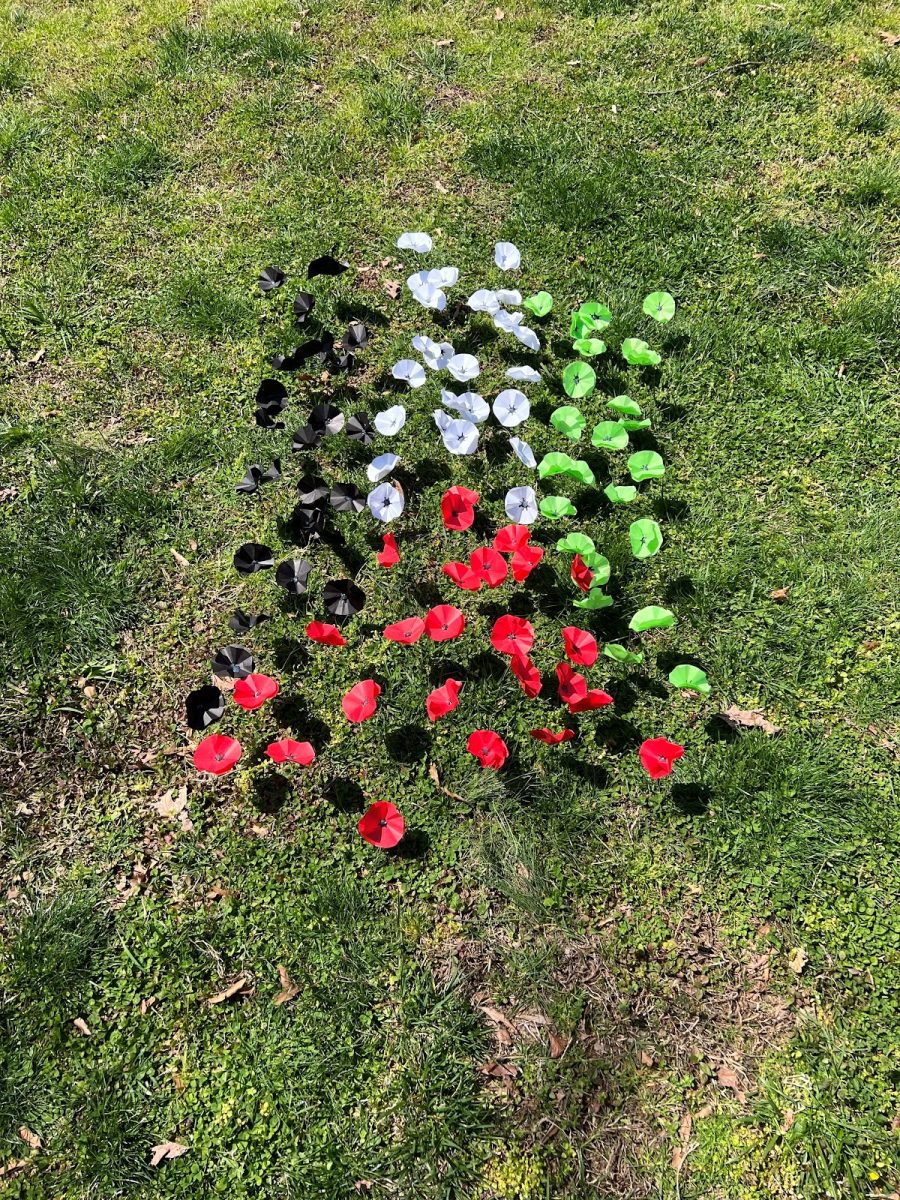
column 723, row 947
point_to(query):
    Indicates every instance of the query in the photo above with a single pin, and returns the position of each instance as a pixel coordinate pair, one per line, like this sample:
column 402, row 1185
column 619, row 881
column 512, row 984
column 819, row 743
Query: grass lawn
column 569, row 981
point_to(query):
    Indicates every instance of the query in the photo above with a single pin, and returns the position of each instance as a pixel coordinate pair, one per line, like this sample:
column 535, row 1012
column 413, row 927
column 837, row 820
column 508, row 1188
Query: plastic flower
column 390, row 555
column 512, row 635
column 217, row 754
column 458, row 508
column 443, row 699
column 581, row 573
column 527, row 674
column 361, row 701
column 581, row 646
column 549, row 738
column 444, row 622
column 253, row 691
column 594, row 698
column 524, row 560
column 382, row 825
column 488, row 747
column 324, row 634
column 511, row 538
column 462, row 575
column 288, row 751
column 488, row 565
column 572, row 686
column 407, row 631
column 658, row 756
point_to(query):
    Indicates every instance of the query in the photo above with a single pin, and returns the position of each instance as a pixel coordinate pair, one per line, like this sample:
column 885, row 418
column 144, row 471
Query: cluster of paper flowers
column 510, row 554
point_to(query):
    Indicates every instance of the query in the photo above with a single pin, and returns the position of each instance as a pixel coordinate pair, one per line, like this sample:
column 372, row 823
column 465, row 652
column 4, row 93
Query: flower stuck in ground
column 382, row 825
column 488, row 747
column 217, row 754
column 361, row 701
column 658, row 755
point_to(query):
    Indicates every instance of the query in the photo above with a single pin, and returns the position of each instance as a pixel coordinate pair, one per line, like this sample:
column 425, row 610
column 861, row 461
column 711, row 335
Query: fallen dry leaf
column 392, row 287
column 789, row 1118
column 684, row 1129
column 181, row 560
column 147, row 1004
column 171, row 803
column 779, row 595
column 679, row 1154
column 38, row 356
column 30, row 1138
column 82, row 1026
column 798, row 960
column 748, row 718
column 705, row 1111
column 727, row 1078
column 166, row 1150
column 558, row 1044
column 498, row 1070
column 889, row 39
column 288, row 990
column 647, row 1060
column 13, row 1167
column 499, row 14
column 444, row 42
column 227, row 993
column 498, row 1017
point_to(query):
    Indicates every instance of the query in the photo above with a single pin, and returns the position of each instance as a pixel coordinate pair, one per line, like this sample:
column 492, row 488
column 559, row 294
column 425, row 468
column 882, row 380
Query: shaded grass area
column 154, row 161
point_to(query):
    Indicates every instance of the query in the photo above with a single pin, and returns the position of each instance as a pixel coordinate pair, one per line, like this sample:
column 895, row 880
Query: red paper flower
column 443, row 699
column 572, row 686
column 581, row 646
column 512, row 635
column 407, row 631
column 511, row 538
column 325, row 635
column 462, row 575
column 253, row 691
column 488, row 747
column 527, row 674
column 488, row 565
column 458, row 508
column 444, row 622
column 590, row 700
column 390, row 555
column 549, row 738
column 288, row 751
column 382, row 825
column 524, row 560
column 217, row 754
column 581, row 574
column 657, row 756
column 361, row 701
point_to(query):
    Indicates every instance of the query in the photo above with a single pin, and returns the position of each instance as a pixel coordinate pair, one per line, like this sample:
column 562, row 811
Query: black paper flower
column 307, row 522
column 312, row 491
column 243, row 622
column 346, row 497
column 356, row 337
column 303, row 306
column 233, row 662
column 204, row 706
column 307, row 437
column 297, row 357
column 360, row 428
column 271, row 397
column 327, row 264
column 256, row 476
column 343, row 598
column 253, row 557
column 270, row 278
column 292, row 575
column 327, row 418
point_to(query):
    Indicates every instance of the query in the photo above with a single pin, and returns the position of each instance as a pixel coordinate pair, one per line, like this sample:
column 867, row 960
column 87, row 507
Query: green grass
column 154, row 159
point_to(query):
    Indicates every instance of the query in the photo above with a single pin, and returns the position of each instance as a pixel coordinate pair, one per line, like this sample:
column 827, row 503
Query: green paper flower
column 568, row 420
column 595, row 599
column 579, row 379
column 651, row 617
column 590, row 318
column 576, row 543
column 600, row 567
column 624, row 405
column 646, row 538
column 646, row 464
column 556, row 507
column 620, row 654
column 609, row 435
column 689, row 679
column 582, row 472
column 589, row 346
column 555, row 463
column 631, row 426
column 540, row 303
column 619, row 494
column 639, row 354
column 660, row 306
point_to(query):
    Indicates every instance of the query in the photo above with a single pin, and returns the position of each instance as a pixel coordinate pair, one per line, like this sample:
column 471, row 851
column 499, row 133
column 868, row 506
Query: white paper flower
column 507, row 321
column 420, row 242
column 461, row 437
column 463, row 367
column 509, row 297
column 441, row 419
column 523, row 374
column 436, row 354
column 386, row 502
column 483, row 301
column 527, row 337
column 511, row 407
column 407, row 370
column 507, row 256
column 469, row 405
column 390, row 421
column 523, row 452
column 379, row 468
column 442, row 276
column 428, row 294
column 521, row 505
